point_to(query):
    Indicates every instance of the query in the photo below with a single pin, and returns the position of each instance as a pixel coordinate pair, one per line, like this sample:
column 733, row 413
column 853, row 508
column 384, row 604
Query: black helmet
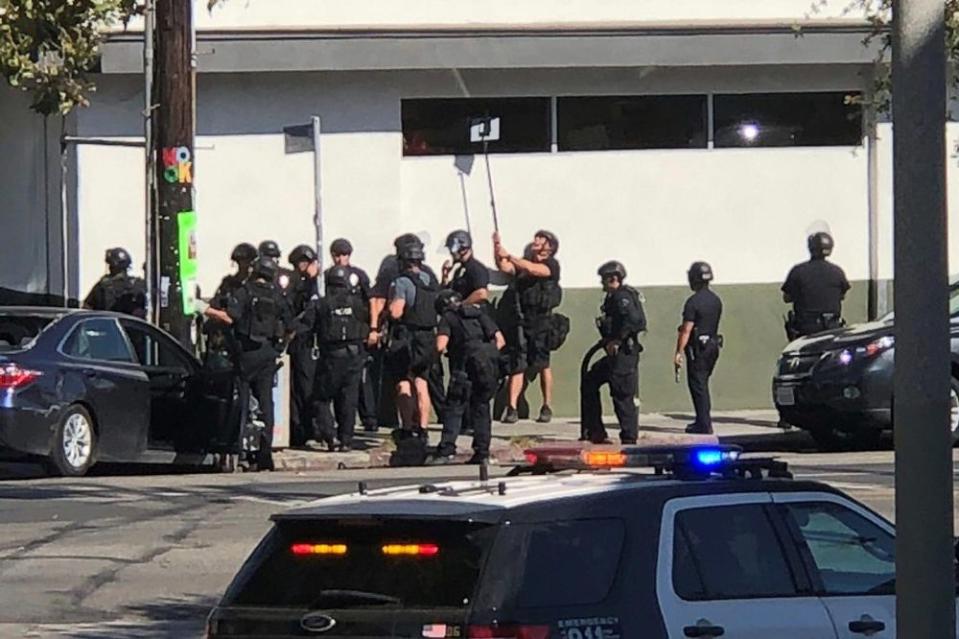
column 269, row 248
column 820, row 245
column 700, row 273
column 338, row 277
column 405, row 240
column 118, row 259
column 411, row 252
column 265, row 268
column 302, row 253
column 341, row 246
column 446, row 300
column 550, row 237
column 243, row 253
column 459, row 241
column 612, row 268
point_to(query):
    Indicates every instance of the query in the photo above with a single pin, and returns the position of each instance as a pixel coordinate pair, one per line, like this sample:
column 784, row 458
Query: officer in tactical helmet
column 284, row 276
column 300, row 294
column 218, row 339
column 118, row 291
column 699, row 342
column 472, row 341
column 622, row 320
column 816, row 290
column 260, row 317
column 341, row 250
column 340, row 324
column 464, row 273
column 536, row 293
column 412, row 313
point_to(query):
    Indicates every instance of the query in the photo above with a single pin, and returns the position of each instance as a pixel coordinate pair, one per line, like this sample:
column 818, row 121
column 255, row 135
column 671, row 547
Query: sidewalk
column 754, row 430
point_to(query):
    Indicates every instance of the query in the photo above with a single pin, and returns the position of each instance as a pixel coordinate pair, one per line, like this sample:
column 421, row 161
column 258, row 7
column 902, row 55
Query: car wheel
column 832, row 440
column 74, row 446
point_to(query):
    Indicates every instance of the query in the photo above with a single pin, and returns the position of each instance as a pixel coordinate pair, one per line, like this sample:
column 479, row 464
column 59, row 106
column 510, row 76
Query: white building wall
column 304, row 14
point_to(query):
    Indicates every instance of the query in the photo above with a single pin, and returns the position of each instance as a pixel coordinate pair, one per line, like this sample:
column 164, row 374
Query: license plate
column 786, row 396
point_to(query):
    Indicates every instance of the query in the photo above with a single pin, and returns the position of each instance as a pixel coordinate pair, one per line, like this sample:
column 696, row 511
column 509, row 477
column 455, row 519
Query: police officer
column 340, row 322
column 622, row 321
column 118, row 291
column 699, row 340
column 816, row 290
column 301, row 292
column 270, row 249
column 412, row 353
column 472, row 340
column 260, row 317
column 464, row 273
column 218, row 339
column 536, row 292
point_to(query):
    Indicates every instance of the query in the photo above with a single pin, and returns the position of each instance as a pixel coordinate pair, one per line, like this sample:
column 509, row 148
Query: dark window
column 18, row 331
column 569, row 563
column 98, row 339
column 276, row 577
column 729, row 552
column 152, row 349
column 632, row 122
column 853, row 555
column 787, row 119
column 441, row 126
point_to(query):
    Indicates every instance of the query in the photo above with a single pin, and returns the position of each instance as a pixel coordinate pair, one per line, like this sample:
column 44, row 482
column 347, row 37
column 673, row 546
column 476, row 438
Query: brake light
column 318, row 549
column 411, row 550
column 508, row 632
column 12, row 376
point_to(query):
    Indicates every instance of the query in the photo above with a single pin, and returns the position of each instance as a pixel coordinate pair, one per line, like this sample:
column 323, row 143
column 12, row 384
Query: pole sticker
column 188, row 258
column 177, row 165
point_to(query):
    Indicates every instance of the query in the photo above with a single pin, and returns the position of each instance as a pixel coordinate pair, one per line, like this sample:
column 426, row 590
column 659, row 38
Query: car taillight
column 508, row 632
column 411, row 550
column 12, row 376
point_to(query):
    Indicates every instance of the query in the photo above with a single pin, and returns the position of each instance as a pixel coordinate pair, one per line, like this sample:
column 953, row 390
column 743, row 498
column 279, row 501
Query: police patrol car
column 634, row 543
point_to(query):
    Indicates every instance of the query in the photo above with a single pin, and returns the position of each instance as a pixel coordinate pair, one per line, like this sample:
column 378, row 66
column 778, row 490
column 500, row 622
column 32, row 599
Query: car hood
column 854, row 335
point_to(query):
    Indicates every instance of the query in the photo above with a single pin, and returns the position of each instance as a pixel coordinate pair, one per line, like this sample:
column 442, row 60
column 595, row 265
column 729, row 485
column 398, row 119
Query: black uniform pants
column 702, row 360
column 465, row 397
column 258, row 368
column 337, row 387
column 301, row 392
column 369, row 393
column 621, row 372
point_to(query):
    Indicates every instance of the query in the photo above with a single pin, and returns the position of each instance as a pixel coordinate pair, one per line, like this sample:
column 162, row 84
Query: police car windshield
column 350, row 564
column 17, row 332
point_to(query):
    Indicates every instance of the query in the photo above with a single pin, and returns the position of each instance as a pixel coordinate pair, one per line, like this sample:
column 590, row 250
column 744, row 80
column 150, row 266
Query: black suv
column 727, row 551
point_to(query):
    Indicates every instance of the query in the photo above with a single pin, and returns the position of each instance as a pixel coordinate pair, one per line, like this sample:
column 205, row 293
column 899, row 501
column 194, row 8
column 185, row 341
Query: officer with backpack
column 118, row 291
column 300, row 294
column 260, row 316
column 472, row 341
column 622, row 321
column 340, row 324
column 412, row 347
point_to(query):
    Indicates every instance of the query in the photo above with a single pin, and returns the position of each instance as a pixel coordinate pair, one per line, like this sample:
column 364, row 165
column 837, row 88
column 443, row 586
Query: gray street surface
column 122, row 556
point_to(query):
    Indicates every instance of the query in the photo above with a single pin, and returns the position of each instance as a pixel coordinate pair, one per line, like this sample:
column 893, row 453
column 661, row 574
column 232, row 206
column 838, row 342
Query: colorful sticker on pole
column 186, row 225
column 177, row 165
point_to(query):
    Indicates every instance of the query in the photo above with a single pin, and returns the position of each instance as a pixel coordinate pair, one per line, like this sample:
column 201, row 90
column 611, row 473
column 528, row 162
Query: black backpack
column 558, row 331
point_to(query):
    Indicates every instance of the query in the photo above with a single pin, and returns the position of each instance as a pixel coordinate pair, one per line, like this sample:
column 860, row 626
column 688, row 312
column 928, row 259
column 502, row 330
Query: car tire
column 832, row 440
column 74, row 444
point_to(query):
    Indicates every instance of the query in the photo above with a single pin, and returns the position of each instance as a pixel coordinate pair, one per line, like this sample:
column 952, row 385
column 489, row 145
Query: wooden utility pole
column 173, row 143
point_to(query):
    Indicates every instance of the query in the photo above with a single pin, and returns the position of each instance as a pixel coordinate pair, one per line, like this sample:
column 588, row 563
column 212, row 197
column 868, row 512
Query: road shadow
column 742, row 421
column 180, row 617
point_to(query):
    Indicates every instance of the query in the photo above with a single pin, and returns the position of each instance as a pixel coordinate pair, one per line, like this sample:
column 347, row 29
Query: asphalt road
column 125, row 556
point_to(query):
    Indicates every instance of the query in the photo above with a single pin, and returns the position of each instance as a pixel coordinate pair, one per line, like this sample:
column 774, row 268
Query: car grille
column 793, row 364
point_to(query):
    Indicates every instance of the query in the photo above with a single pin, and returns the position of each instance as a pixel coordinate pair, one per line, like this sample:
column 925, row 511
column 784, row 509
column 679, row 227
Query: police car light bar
column 692, row 461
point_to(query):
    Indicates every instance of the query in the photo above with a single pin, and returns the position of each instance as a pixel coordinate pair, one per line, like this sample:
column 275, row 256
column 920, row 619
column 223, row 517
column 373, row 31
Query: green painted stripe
column 752, row 325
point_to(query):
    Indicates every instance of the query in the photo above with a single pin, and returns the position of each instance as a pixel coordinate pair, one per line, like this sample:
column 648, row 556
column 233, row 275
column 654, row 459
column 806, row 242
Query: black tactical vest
column 124, row 294
column 421, row 315
column 262, row 318
column 346, row 318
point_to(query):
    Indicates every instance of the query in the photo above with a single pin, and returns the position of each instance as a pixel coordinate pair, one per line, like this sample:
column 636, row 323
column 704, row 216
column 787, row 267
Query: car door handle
column 705, row 629
column 89, row 372
column 866, row 626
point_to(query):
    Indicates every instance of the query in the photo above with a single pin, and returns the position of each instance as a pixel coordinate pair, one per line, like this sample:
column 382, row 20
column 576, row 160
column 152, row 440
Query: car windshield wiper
column 349, row 598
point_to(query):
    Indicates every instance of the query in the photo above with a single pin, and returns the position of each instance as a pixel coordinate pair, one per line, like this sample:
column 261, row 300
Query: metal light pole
column 925, row 580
